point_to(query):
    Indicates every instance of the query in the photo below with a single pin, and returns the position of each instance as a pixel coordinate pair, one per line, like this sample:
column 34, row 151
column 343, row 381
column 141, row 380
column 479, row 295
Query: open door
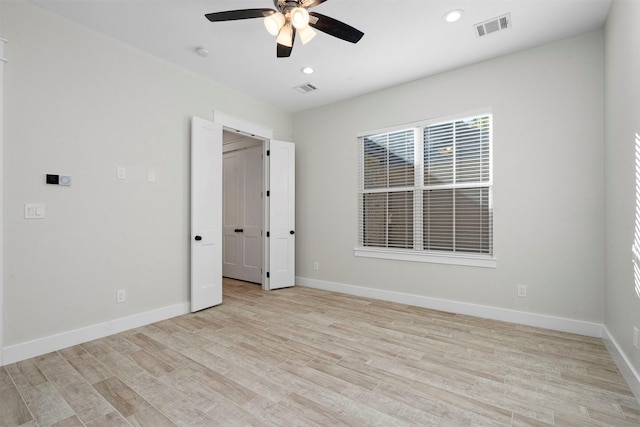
column 206, row 209
column 282, row 241
column 206, row 214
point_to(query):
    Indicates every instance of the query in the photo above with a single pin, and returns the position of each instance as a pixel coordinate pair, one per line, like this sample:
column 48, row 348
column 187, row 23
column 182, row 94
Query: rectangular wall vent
column 305, row 88
column 493, row 25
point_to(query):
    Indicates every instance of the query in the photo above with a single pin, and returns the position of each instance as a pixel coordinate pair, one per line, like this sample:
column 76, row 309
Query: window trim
column 430, row 256
column 433, row 257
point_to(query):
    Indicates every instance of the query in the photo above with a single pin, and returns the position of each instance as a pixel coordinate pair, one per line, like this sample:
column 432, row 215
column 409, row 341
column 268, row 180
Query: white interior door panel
column 282, row 242
column 206, row 214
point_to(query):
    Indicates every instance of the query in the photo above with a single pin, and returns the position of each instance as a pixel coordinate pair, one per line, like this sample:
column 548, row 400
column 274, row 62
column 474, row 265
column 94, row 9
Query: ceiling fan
column 291, row 17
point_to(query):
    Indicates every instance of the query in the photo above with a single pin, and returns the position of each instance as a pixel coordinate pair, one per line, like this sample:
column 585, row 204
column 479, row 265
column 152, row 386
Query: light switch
column 34, row 210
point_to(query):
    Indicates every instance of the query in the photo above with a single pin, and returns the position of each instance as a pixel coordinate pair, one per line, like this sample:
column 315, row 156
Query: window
column 426, row 191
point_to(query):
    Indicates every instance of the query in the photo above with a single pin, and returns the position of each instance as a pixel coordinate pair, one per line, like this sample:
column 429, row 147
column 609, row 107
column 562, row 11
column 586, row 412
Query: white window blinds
column 388, row 182
column 428, row 188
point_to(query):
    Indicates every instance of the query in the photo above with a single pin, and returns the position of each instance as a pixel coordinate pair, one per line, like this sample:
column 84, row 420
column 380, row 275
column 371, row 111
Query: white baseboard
column 622, row 362
column 37, row 347
column 513, row 316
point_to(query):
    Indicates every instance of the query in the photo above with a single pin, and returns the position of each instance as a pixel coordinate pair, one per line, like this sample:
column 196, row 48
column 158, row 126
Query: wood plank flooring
column 305, row 357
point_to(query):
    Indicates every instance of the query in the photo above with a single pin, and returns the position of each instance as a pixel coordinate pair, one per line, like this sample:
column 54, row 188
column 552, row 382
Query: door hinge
column 268, row 193
column 267, row 274
column 268, row 152
column 268, row 234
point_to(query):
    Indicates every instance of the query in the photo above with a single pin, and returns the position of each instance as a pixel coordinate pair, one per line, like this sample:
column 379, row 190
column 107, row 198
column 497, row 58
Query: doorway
column 278, row 208
column 242, row 200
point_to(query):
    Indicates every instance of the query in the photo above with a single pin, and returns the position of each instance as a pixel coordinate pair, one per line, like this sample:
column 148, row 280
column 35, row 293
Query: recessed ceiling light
column 307, row 70
column 453, row 15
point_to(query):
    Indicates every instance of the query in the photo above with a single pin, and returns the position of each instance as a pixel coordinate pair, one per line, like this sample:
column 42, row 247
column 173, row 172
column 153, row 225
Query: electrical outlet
column 635, row 337
column 316, row 266
column 121, row 295
column 121, row 172
column 522, row 291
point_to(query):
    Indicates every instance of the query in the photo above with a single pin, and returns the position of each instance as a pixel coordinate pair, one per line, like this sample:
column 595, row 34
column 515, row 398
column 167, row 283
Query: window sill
column 431, row 257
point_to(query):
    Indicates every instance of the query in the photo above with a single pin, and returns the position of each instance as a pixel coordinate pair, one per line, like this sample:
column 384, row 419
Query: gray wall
column 548, row 170
column 622, row 124
column 81, row 104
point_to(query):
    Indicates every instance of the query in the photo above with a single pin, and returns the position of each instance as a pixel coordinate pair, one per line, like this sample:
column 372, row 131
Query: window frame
column 422, row 255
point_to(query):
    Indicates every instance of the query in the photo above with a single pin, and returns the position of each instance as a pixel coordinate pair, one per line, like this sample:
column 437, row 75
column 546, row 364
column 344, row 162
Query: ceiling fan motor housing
column 285, row 6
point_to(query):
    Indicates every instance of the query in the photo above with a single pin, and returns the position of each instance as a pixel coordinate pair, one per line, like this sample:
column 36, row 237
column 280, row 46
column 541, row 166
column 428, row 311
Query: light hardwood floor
column 300, row 356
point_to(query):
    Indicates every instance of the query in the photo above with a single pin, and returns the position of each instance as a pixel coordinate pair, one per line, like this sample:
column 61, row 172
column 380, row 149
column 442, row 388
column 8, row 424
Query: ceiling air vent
column 493, row 25
column 305, row 88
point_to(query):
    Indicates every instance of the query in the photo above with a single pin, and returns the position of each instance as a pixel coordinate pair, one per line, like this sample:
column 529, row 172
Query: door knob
column 292, row 232
column 198, row 238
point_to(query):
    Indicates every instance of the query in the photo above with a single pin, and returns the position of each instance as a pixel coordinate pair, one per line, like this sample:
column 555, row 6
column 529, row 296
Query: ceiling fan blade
column 233, row 15
column 285, row 51
column 335, row 28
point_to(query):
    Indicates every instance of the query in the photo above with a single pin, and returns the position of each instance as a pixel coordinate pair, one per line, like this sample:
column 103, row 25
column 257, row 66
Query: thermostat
column 58, row 179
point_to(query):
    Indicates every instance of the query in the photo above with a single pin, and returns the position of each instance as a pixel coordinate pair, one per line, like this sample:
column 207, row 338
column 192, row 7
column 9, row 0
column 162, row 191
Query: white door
column 281, row 214
column 206, row 214
column 242, row 217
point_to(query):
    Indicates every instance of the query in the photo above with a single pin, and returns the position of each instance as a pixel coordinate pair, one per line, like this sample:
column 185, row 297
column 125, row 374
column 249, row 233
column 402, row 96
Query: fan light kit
column 291, row 17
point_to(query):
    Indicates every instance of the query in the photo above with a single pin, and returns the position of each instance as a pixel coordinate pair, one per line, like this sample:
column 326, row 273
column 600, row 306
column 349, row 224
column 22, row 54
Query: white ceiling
column 404, row 40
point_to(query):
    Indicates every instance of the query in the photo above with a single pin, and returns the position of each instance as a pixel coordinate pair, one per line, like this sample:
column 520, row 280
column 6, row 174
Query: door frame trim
column 239, row 125
column 256, row 131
